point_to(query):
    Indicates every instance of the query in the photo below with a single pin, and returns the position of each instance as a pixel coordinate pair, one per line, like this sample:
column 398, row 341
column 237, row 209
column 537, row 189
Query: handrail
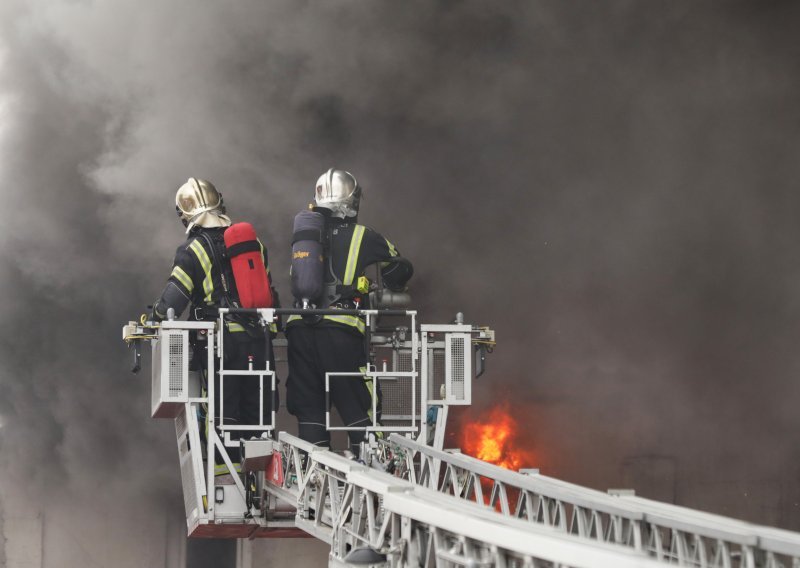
column 655, row 516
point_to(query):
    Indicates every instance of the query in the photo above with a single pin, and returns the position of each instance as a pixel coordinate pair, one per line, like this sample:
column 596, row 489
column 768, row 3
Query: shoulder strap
column 352, row 255
column 215, row 259
column 206, row 265
column 344, row 289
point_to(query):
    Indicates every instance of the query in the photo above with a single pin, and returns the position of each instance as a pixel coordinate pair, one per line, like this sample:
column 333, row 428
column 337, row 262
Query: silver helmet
column 199, row 203
column 338, row 191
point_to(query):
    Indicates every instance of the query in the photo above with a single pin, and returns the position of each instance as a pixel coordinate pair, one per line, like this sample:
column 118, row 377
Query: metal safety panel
column 396, row 393
column 170, row 373
column 191, row 465
column 458, row 368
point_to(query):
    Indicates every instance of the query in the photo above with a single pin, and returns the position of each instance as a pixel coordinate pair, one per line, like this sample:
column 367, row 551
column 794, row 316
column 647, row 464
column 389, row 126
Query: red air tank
column 249, row 272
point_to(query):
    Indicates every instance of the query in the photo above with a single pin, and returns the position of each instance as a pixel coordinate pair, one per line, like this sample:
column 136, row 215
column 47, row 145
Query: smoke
column 611, row 186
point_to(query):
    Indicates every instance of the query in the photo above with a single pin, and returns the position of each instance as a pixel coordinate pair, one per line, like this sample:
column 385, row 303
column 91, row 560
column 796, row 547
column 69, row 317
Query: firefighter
column 202, row 278
column 335, row 343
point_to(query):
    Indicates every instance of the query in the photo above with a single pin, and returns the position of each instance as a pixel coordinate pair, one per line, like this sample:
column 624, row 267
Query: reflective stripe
column 349, row 276
column 368, row 383
column 352, row 256
column 392, row 249
column 273, row 327
column 180, row 275
column 222, row 469
column 205, row 262
column 353, row 321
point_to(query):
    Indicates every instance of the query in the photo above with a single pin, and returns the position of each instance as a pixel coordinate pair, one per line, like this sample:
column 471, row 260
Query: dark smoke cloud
column 612, row 186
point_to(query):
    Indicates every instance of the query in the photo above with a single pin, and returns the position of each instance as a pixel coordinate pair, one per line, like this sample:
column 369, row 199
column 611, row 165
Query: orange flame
column 494, row 439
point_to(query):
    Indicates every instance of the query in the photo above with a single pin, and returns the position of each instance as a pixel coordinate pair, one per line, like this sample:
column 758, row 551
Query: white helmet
column 199, row 203
column 338, row 191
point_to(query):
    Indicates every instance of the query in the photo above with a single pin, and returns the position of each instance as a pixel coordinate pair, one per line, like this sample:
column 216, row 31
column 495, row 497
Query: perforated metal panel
column 170, row 373
column 404, row 360
column 456, row 349
column 396, row 394
column 177, row 355
column 458, row 368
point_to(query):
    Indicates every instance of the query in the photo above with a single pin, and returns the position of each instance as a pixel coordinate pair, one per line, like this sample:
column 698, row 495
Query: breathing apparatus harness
column 216, row 246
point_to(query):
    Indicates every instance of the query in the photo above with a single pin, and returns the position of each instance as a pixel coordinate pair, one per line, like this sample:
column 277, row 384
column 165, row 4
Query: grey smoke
column 612, row 186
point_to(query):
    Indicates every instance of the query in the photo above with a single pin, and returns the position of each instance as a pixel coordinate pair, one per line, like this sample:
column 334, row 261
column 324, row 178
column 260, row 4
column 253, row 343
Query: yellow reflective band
column 352, row 321
column 368, row 383
column 222, row 469
column 273, row 327
column 205, row 262
column 392, row 249
column 180, row 275
column 352, row 256
column 234, row 327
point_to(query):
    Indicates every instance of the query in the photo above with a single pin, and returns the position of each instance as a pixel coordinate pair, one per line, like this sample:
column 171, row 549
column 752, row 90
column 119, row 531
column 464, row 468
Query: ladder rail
column 350, row 505
column 687, row 536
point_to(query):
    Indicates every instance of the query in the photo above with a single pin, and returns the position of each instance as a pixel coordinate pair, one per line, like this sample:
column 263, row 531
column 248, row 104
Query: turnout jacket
column 350, row 249
column 203, row 278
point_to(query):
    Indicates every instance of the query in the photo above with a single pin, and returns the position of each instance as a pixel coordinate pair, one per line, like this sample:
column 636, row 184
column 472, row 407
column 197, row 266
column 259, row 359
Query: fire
column 494, row 439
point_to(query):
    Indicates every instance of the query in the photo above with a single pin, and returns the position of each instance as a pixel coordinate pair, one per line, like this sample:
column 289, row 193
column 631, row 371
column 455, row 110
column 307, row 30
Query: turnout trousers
column 313, row 351
column 241, row 403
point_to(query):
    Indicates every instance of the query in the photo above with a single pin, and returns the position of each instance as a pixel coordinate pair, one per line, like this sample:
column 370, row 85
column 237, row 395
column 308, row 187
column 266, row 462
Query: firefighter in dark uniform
column 202, row 279
column 335, row 343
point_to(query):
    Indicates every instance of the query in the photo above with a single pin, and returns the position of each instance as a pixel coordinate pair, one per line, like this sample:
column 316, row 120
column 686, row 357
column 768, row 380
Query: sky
column 611, row 185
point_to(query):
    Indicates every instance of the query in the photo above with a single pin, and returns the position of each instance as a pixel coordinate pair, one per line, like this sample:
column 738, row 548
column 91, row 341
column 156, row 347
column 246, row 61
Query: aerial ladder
column 406, row 500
